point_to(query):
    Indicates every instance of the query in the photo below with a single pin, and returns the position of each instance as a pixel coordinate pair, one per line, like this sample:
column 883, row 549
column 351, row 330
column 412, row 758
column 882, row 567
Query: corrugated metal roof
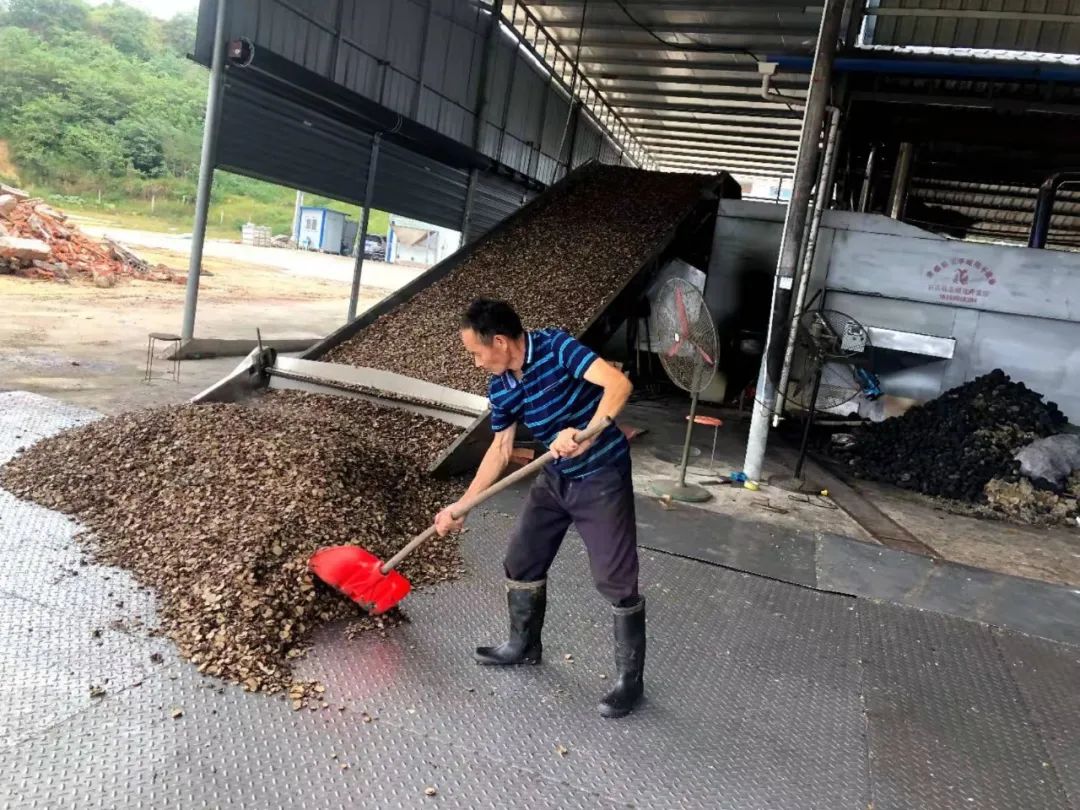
column 1043, row 26
column 682, row 74
column 683, row 77
column 675, row 84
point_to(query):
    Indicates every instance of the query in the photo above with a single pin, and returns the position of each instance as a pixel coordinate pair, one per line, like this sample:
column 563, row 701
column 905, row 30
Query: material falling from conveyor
column 576, row 257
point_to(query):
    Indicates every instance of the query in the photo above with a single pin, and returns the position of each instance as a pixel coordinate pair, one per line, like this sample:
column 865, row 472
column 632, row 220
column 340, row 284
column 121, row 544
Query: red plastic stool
column 715, row 423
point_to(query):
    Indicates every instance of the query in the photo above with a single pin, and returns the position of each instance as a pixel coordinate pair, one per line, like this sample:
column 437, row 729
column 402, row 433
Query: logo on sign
column 961, row 281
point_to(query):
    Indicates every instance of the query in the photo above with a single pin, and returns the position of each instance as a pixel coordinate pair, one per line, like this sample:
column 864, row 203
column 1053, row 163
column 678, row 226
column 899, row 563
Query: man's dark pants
column 601, row 506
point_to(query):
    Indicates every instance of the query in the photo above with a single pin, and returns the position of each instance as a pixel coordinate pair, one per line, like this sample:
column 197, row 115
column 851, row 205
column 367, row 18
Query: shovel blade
column 358, row 574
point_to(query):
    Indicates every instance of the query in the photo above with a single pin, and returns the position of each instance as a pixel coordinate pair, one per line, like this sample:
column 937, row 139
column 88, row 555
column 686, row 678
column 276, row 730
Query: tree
column 142, row 147
column 131, row 31
column 178, row 33
column 46, row 16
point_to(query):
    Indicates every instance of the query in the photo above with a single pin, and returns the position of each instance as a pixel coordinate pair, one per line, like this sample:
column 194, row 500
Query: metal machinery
column 266, row 369
column 937, row 312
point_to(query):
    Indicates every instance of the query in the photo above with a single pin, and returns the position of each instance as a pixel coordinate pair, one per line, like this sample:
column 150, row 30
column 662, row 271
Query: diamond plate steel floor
column 760, row 695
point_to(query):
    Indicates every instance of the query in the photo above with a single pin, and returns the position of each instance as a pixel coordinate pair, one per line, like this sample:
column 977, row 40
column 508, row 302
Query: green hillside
column 102, row 112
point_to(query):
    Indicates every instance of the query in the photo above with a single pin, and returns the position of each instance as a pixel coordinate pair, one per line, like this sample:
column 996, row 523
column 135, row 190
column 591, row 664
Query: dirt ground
column 87, row 345
column 300, row 263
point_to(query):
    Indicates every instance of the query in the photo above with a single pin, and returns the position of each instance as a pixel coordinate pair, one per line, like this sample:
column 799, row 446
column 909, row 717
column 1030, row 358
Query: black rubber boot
column 629, row 661
column 527, row 602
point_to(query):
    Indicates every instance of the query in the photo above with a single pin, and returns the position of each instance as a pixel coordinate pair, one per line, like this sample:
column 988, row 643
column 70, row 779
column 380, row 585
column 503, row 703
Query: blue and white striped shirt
column 553, row 395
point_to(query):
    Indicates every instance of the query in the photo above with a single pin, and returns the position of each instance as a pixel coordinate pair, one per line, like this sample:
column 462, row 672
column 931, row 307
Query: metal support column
column 794, row 224
column 373, row 163
column 299, row 204
column 206, row 171
column 822, row 198
column 901, row 181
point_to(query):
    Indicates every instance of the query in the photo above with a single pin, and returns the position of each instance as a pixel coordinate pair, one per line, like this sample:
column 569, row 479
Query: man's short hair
column 489, row 317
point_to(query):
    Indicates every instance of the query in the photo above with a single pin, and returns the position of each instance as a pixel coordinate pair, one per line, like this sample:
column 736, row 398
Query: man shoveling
column 557, row 387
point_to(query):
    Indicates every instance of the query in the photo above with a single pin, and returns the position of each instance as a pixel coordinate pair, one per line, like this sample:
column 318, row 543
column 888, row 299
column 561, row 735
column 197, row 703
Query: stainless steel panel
column 1041, row 353
column 1022, row 281
column 911, row 342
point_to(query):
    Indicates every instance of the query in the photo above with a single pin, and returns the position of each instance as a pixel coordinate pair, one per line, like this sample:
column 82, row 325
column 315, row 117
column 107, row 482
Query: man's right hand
column 446, row 524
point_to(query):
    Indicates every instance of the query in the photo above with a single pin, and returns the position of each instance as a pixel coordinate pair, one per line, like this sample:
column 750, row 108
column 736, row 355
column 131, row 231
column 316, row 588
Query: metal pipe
column 794, row 223
column 206, row 172
column 769, row 93
column 821, row 202
column 946, row 68
column 689, row 435
column 868, row 180
column 1044, row 206
column 807, row 425
column 373, row 162
column 901, row 180
column 296, row 216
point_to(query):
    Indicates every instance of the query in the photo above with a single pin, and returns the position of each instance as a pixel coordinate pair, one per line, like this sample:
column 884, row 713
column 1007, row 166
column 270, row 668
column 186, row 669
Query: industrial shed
column 826, row 638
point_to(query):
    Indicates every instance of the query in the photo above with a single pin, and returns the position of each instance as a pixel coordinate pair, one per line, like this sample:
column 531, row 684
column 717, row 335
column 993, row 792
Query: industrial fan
column 831, row 364
column 684, row 336
column 830, row 367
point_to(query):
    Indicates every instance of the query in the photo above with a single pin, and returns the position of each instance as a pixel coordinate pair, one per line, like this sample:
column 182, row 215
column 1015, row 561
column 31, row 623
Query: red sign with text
column 961, row 281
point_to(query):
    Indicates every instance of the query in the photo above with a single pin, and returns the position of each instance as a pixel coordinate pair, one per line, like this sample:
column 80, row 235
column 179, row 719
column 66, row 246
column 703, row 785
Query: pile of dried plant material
column 1021, row 501
column 557, row 268
column 954, row 445
column 37, row 241
column 218, row 507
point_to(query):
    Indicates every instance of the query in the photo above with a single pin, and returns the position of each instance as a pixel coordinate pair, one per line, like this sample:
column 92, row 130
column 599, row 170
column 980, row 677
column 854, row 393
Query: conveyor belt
column 610, row 309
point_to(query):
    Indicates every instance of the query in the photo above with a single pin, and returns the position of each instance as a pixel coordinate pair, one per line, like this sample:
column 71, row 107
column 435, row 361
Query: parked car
column 375, row 247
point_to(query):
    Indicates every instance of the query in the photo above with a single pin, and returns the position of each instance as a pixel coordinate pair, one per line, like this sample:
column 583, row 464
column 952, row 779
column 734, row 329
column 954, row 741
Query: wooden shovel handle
column 477, row 499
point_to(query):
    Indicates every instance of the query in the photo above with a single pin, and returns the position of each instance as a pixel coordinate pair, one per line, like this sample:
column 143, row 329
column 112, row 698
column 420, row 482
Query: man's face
column 493, row 357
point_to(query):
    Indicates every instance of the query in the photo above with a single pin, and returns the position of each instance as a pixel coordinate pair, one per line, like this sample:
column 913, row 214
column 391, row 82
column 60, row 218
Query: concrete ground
column 1047, row 554
column 87, row 345
column 1050, row 554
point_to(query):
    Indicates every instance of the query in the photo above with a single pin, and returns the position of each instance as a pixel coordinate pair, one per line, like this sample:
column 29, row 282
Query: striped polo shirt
column 553, row 395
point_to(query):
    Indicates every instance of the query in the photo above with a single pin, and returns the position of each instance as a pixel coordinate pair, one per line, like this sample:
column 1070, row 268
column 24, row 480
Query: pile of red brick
column 37, row 241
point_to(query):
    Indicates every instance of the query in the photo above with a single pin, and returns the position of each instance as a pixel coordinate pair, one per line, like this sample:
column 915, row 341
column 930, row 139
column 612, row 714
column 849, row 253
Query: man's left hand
column 564, row 445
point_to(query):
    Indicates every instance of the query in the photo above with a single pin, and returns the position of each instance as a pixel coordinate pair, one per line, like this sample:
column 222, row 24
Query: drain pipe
column 821, row 202
column 1044, row 206
column 794, row 225
column 767, row 71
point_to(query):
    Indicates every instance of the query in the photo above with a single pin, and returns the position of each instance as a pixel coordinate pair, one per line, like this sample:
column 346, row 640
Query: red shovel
column 376, row 586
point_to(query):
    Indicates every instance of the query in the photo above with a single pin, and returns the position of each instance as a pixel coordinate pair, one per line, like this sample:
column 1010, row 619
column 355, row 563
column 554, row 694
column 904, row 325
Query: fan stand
column 680, row 490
